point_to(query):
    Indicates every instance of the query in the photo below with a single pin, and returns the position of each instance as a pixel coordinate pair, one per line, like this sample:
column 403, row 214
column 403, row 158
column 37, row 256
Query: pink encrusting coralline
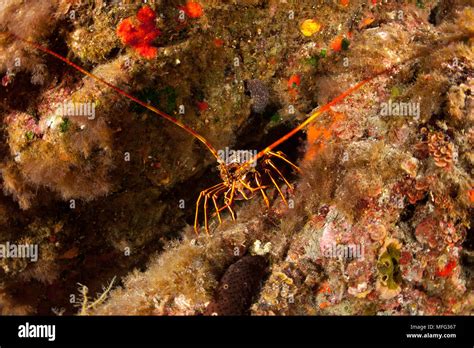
column 140, row 37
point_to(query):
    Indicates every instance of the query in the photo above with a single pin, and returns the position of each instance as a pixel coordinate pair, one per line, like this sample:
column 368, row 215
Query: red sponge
column 141, row 36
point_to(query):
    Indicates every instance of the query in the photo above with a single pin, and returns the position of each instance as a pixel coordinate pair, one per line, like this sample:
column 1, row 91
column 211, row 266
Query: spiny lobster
column 242, row 180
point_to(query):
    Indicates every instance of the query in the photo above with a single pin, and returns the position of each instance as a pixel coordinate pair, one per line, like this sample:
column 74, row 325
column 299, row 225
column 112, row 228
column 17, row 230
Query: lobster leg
column 250, row 188
column 265, row 198
column 276, row 185
column 271, row 164
column 213, row 195
column 214, row 200
column 282, row 156
column 202, row 194
column 229, row 201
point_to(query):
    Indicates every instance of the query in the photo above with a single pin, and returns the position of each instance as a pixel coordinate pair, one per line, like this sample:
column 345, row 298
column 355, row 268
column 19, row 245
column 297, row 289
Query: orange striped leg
column 265, row 198
column 196, row 217
column 214, row 200
column 271, row 164
column 276, row 185
column 206, row 197
column 282, row 156
column 243, row 192
column 250, row 188
column 229, row 201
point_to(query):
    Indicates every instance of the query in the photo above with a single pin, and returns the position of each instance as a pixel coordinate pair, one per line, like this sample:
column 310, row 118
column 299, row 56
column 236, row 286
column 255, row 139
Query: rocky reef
column 378, row 221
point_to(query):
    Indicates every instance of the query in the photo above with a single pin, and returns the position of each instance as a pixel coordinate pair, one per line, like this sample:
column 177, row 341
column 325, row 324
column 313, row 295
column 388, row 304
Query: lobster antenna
column 123, row 93
column 423, row 52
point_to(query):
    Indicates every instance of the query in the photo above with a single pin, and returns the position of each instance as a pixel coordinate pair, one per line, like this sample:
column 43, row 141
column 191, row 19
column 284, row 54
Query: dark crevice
column 440, row 12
